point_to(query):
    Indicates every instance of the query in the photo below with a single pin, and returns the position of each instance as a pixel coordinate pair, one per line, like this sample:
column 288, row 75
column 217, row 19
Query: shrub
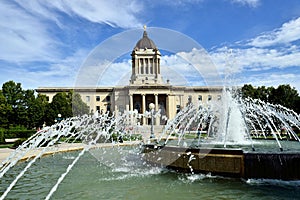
column 2, row 138
column 17, row 132
column 18, row 143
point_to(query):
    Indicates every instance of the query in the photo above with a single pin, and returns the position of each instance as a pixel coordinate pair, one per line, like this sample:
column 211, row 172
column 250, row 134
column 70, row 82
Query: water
column 92, row 179
column 233, row 119
column 114, row 173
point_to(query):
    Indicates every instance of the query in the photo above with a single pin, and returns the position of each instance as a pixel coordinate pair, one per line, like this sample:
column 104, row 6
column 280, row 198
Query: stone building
column 145, row 86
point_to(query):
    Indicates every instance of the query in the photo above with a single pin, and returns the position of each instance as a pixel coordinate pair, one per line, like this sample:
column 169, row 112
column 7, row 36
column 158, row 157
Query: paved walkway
column 4, row 153
column 63, row 147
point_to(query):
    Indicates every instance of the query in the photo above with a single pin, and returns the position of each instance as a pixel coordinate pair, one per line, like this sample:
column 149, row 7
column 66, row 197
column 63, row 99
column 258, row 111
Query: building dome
column 145, row 43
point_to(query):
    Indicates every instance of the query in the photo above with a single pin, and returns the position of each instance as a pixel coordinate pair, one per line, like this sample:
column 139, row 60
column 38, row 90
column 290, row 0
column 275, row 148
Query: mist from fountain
column 228, row 120
column 88, row 129
column 233, row 120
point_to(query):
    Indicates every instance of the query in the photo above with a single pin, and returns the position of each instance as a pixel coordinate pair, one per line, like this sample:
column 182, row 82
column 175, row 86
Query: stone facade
column 145, row 86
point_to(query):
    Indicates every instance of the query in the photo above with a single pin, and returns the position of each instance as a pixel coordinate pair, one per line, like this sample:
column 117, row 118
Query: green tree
column 248, row 91
column 67, row 104
column 61, row 104
column 36, row 109
column 26, row 109
column 5, row 111
column 78, row 106
column 285, row 95
column 263, row 93
column 13, row 94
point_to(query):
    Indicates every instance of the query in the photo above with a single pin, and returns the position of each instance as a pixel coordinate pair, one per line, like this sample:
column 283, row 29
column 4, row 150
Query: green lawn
column 6, row 145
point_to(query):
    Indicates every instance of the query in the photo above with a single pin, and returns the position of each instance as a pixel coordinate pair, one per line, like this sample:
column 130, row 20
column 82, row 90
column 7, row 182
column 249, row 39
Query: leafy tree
column 28, row 103
column 2, row 138
column 263, row 93
column 78, row 106
column 248, row 91
column 5, row 111
column 284, row 95
column 37, row 109
column 22, row 108
column 13, row 94
column 61, row 104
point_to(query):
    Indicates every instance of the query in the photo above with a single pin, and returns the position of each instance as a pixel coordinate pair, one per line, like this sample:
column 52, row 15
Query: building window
column 97, row 98
column 107, row 98
column 209, row 98
column 199, row 97
column 108, row 108
column 98, row 108
column 177, row 108
column 87, row 98
column 219, row 97
column 190, row 99
column 121, row 108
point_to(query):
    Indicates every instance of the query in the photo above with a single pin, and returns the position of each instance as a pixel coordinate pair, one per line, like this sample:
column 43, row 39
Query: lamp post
column 59, row 117
column 152, row 106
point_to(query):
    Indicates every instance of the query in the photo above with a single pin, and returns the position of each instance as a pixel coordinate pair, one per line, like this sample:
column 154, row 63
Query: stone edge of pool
column 60, row 148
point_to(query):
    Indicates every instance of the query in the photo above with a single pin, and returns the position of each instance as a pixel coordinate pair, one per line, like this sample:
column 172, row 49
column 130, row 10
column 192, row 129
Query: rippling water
column 112, row 174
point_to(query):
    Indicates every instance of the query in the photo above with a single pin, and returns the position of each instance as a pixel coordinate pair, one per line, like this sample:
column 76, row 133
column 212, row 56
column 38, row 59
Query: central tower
column 145, row 62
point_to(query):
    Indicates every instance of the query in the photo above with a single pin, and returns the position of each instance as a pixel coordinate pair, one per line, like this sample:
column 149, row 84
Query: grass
column 2, row 146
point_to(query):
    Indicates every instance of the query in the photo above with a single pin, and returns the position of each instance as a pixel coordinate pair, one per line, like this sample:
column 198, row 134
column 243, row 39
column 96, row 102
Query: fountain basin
column 226, row 162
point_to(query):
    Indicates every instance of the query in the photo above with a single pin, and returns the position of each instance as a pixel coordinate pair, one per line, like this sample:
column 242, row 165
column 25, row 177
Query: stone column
column 136, row 66
column 144, row 66
column 131, row 102
column 131, row 108
column 168, row 106
column 116, row 110
column 156, row 66
column 144, row 107
column 140, row 66
column 148, row 66
column 181, row 101
column 157, row 119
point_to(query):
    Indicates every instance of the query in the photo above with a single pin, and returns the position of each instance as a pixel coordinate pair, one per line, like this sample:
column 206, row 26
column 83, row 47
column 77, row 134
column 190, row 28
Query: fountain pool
column 111, row 178
column 231, row 124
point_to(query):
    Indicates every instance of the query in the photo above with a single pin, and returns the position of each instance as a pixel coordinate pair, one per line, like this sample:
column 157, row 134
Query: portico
column 140, row 101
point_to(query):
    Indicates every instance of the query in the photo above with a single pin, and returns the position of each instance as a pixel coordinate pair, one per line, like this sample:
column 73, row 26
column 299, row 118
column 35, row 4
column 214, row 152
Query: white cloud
column 268, row 59
column 182, row 68
column 287, row 33
column 272, row 79
column 55, row 75
column 27, row 26
column 23, row 37
column 254, row 59
column 176, row 3
column 114, row 13
column 116, row 74
column 251, row 3
column 260, row 53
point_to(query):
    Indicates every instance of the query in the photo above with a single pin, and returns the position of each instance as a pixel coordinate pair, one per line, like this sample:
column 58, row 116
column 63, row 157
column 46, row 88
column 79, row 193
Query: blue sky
column 45, row 43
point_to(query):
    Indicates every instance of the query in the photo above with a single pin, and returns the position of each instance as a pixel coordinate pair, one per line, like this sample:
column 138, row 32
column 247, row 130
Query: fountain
column 212, row 138
column 91, row 131
column 228, row 148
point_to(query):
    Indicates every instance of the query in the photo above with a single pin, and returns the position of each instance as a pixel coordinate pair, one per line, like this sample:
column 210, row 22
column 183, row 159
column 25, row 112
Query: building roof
column 145, row 42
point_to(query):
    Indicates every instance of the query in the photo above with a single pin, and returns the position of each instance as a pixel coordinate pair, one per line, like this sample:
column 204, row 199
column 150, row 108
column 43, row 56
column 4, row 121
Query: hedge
column 18, row 133
column 2, row 138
